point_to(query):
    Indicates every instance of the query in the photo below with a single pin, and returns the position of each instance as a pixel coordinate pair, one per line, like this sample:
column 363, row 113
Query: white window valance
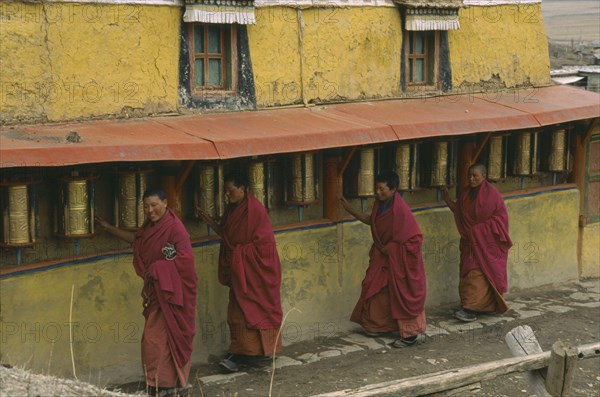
column 432, row 19
column 220, row 11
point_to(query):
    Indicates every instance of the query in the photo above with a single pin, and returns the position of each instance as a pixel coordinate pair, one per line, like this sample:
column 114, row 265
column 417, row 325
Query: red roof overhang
column 253, row 133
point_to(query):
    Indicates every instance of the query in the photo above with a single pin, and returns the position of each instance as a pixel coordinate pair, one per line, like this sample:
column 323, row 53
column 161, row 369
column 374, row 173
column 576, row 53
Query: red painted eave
column 280, row 131
column 100, row 141
column 254, row 133
column 551, row 105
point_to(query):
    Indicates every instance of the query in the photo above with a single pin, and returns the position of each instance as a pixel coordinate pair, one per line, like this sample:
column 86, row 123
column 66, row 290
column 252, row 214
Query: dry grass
column 22, row 383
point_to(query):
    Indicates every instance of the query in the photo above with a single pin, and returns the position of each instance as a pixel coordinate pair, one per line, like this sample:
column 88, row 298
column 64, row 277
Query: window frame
column 411, row 57
column 227, row 87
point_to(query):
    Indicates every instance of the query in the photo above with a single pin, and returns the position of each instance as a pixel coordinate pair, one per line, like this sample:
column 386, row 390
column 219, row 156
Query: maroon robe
column 249, row 263
column 402, row 270
column 170, row 280
column 484, row 241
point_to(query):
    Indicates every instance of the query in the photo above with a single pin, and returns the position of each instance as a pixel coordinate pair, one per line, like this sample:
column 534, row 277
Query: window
column 212, row 57
column 422, row 58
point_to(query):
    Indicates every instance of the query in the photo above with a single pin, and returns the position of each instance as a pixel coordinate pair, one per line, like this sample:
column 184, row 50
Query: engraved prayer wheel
column 526, row 154
column 557, row 153
column 211, row 197
column 439, row 174
column 74, row 217
column 257, row 181
column 366, row 173
column 18, row 214
column 206, row 199
column 406, row 166
column 495, row 168
column 302, row 187
column 129, row 204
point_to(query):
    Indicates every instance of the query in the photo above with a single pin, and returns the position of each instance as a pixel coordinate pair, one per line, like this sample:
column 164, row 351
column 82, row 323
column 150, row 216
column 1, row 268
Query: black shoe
column 229, row 364
column 408, row 342
column 465, row 315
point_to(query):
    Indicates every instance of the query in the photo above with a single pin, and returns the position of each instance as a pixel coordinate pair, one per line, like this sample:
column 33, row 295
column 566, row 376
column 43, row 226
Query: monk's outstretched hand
column 103, row 224
column 344, row 202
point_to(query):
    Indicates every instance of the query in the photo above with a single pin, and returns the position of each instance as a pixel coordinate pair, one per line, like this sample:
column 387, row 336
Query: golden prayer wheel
column 211, row 197
column 257, row 181
column 439, row 172
column 496, row 169
column 18, row 214
column 557, row 153
column 526, row 154
column 366, row 173
column 302, row 186
column 407, row 166
column 74, row 217
column 129, row 202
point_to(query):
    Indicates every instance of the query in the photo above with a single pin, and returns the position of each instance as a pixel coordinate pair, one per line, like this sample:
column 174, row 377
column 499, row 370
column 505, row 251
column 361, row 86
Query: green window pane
column 198, row 39
column 199, row 71
column 410, row 72
column 214, row 39
column 214, row 72
column 420, row 44
column 419, row 70
column 410, row 42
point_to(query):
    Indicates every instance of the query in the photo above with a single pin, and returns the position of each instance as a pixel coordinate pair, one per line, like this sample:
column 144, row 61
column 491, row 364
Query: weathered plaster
column 68, row 61
column 500, row 46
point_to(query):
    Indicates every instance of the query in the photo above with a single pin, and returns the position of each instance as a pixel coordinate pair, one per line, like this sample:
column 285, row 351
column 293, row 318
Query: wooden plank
column 560, row 369
column 522, row 341
column 450, row 379
column 459, row 391
column 454, row 378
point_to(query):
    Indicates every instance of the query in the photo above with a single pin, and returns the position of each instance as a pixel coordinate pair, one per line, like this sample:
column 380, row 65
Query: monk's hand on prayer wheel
column 344, row 202
column 205, row 217
column 103, row 224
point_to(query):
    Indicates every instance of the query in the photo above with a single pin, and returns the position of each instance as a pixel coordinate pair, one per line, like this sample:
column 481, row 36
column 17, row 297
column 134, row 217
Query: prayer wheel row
column 408, row 167
column 526, row 154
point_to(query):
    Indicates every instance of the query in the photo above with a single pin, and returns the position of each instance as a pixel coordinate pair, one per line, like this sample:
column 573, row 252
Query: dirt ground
column 580, row 325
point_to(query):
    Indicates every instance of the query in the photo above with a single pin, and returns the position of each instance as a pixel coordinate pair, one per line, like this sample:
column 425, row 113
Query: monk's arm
column 361, row 216
column 209, row 220
column 446, row 197
column 115, row 231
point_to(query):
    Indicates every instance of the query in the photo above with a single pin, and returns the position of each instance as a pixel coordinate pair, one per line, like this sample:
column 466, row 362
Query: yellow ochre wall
column 65, row 61
column 337, row 54
column 505, row 45
column 323, row 266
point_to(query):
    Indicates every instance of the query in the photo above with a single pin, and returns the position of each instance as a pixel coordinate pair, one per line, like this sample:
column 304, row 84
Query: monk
column 393, row 290
column 249, row 265
column 163, row 258
column 482, row 222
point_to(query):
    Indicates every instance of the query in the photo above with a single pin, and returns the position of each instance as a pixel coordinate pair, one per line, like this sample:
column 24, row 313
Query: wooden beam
column 346, row 161
column 560, row 369
column 522, row 342
column 481, row 146
column 465, row 160
column 332, row 189
column 454, row 378
column 184, row 175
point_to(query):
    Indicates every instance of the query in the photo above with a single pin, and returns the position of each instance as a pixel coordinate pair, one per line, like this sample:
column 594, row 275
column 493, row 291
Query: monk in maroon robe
column 394, row 288
column 249, row 265
column 163, row 258
column 482, row 222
